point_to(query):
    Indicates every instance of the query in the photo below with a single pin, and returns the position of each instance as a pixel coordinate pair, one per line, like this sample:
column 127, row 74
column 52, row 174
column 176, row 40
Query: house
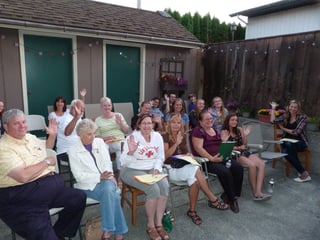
column 281, row 18
column 52, row 48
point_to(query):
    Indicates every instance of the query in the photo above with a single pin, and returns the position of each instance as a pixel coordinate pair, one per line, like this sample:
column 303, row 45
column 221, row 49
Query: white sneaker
column 299, row 179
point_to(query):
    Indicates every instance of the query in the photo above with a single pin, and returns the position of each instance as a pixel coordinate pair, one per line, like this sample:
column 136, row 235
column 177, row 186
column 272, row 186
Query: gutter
column 102, row 33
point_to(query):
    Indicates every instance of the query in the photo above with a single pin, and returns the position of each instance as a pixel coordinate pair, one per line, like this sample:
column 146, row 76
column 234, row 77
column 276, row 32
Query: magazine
column 150, row 178
column 186, row 158
column 288, row 140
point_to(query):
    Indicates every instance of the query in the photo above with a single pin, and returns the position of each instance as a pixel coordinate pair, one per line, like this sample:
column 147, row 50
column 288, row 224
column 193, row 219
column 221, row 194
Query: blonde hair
column 222, row 109
column 104, row 100
column 168, row 127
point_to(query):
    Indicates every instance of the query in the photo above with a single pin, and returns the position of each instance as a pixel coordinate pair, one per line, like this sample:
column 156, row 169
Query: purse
column 178, row 163
column 93, row 230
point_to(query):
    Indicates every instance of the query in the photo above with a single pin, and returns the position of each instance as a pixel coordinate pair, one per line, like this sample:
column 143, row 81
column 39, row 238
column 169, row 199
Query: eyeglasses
column 146, row 123
column 208, row 119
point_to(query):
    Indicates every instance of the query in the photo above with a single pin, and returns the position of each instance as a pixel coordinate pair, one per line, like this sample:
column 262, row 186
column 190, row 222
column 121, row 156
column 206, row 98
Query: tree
column 207, row 29
column 187, row 22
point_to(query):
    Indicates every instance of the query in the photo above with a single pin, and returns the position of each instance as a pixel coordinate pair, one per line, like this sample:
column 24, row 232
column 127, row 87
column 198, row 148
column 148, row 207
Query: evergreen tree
column 207, row 29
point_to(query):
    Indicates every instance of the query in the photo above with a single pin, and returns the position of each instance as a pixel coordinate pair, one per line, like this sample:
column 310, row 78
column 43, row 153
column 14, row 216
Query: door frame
column 23, row 63
column 142, row 48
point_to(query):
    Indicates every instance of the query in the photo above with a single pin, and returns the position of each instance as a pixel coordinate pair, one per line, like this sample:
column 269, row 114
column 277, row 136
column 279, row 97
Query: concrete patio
column 292, row 213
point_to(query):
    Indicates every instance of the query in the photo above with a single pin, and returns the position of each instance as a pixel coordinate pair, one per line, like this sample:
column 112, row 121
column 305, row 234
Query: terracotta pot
column 264, row 118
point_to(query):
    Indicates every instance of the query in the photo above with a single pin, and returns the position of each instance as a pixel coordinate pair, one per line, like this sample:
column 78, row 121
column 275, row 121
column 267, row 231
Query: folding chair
column 257, row 144
column 174, row 187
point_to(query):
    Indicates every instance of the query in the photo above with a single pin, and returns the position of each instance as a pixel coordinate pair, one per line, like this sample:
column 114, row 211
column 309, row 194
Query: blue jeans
column 112, row 217
column 292, row 150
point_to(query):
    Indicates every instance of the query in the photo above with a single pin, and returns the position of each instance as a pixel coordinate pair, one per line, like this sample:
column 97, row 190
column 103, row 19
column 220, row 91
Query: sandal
column 163, row 234
column 194, row 217
column 106, row 235
column 153, row 234
column 262, row 197
column 218, row 205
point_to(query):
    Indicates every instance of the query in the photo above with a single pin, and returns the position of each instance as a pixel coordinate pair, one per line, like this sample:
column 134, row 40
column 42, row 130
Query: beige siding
column 293, row 21
column 10, row 73
column 90, row 67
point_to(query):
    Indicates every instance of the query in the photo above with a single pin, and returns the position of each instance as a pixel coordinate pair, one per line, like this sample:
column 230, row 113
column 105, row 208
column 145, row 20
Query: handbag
column 93, row 230
column 178, row 163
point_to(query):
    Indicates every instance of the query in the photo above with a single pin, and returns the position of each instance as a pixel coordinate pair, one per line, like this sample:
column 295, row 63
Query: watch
column 47, row 161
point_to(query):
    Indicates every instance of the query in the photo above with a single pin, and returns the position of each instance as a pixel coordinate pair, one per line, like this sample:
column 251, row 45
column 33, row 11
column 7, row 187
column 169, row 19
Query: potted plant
column 313, row 123
column 232, row 107
column 245, row 110
column 265, row 114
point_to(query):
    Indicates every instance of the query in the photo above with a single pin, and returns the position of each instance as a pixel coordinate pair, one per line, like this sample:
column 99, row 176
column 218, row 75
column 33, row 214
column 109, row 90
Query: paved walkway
column 293, row 213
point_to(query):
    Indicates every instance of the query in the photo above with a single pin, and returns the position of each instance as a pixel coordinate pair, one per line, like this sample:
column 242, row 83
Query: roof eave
column 25, row 25
column 274, row 7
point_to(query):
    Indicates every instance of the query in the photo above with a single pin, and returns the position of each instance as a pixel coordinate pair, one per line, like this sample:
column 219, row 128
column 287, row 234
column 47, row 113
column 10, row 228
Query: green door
column 48, row 70
column 123, row 74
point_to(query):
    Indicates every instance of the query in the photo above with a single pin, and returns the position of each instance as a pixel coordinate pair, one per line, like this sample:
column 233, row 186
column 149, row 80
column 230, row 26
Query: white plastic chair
column 126, row 109
column 35, row 122
column 256, row 143
column 92, row 110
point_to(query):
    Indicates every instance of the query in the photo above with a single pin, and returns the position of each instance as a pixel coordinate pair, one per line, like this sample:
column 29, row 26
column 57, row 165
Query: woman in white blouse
column 92, row 168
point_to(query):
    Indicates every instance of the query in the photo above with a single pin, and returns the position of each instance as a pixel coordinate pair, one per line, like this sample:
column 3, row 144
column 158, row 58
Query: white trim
column 23, row 74
column 142, row 65
column 62, row 30
column 75, row 67
column 23, row 63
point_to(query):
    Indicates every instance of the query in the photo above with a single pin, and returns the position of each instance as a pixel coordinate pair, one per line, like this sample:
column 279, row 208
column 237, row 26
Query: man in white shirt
column 67, row 135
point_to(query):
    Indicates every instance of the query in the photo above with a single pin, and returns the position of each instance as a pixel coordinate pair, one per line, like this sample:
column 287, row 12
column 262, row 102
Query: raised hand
column 247, row 130
column 52, row 127
column 273, row 105
column 179, row 138
column 118, row 118
column 166, row 97
column 77, row 111
column 225, row 134
column 132, row 144
column 83, row 92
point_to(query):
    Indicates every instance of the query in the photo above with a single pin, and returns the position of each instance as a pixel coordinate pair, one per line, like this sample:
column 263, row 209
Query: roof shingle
column 90, row 15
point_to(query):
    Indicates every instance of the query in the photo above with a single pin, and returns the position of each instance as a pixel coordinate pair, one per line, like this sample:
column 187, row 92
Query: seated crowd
column 159, row 133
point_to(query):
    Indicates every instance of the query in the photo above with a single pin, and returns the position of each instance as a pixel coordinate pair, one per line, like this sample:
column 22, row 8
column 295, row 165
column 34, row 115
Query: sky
column 220, row 9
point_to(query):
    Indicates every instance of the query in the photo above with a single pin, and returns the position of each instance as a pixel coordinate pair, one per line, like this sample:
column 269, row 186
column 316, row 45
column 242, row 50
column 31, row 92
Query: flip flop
column 264, row 197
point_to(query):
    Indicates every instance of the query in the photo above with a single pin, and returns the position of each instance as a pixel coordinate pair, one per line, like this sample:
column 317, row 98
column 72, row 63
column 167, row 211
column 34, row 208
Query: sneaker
column 300, row 179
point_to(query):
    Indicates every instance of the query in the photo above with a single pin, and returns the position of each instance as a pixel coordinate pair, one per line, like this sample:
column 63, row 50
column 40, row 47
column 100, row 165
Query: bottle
column 166, row 222
column 228, row 163
column 271, row 185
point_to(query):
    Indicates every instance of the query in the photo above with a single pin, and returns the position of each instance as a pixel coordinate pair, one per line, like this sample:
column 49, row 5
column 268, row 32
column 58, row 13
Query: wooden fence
column 257, row 71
